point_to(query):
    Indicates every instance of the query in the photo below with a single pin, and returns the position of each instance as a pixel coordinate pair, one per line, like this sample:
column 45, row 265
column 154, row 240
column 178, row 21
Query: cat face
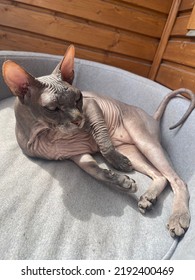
column 50, row 98
column 61, row 104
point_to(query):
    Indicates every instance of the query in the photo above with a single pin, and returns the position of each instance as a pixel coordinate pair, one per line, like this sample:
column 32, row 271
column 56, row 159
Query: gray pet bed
column 53, row 210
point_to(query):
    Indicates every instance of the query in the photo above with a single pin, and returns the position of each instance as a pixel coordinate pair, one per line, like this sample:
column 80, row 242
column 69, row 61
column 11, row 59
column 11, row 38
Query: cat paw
column 122, row 181
column 129, row 184
column 146, row 202
column 124, row 164
column 178, row 223
column 121, row 163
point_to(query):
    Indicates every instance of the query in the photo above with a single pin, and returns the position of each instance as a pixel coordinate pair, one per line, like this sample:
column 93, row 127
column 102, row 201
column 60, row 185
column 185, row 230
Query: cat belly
column 120, row 136
column 114, row 119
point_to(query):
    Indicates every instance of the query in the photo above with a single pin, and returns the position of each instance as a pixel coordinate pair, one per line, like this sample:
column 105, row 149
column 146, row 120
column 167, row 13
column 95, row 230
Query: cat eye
column 51, row 109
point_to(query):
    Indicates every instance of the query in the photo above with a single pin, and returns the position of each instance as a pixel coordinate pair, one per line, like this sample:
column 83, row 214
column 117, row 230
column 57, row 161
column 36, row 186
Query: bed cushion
column 53, row 210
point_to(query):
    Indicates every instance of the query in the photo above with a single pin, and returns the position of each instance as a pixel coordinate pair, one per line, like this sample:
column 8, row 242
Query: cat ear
column 66, row 67
column 17, row 79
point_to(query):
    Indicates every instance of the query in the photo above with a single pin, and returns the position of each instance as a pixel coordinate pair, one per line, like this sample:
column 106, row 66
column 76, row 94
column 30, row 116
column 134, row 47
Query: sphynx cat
column 56, row 121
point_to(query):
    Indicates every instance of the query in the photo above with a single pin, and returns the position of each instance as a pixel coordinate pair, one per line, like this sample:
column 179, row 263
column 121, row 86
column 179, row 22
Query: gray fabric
column 53, row 210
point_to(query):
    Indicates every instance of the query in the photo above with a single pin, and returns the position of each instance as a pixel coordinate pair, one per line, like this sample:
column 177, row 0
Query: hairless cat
column 56, row 121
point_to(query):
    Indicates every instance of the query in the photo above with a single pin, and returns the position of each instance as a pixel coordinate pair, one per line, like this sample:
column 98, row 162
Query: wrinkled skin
column 54, row 120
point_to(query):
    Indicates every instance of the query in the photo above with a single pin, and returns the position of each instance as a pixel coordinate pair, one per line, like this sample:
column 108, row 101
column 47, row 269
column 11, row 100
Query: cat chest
column 59, row 146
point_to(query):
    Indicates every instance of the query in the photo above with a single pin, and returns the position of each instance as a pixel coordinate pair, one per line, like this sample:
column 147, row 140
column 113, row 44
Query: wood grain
column 186, row 5
column 10, row 39
column 180, row 27
column 164, row 39
column 157, row 5
column 107, row 13
column 177, row 67
column 176, row 76
column 76, row 32
column 181, row 52
column 122, row 33
column 191, row 22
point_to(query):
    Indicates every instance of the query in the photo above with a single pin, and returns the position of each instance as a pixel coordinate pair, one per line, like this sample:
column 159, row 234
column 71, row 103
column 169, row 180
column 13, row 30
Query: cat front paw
column 123, row 182
column 129, row 184
column 119, row 161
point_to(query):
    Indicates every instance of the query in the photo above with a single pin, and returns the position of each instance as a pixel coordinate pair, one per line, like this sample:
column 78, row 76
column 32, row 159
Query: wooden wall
column 147, row 37
column 177, row 68
column 123, row 33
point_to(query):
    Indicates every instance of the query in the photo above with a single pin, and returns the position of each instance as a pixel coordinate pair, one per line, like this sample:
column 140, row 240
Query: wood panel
column 178, row 61
column 77, row 32
column 180, row 27
column 176, row 76
column 191, row 23
column 157, row 5
column 107, row 13
column 181, row 52
column 164, row 39
column 123, row 33
column 187, row 5
column 10, row 39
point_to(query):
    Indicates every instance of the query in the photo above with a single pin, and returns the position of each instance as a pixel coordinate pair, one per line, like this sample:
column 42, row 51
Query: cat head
column 51, row 98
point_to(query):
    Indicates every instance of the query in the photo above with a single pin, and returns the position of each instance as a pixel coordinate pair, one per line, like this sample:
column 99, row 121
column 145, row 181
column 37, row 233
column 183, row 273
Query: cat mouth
column 78, row 123
column 72, row 126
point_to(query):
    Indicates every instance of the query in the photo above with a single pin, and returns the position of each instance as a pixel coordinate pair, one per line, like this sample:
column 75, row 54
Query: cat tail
column 160, row 110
